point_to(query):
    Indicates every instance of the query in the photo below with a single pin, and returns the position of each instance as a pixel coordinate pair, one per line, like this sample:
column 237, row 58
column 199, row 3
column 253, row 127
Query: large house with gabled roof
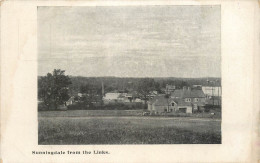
column 184, row 100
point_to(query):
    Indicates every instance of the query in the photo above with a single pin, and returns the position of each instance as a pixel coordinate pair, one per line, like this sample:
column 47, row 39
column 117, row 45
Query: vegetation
column 87, row 113
column 128, row 130
column 112, row 106
column 145, row 86
column 125, row 112
column 132, row 84
column 53, row 89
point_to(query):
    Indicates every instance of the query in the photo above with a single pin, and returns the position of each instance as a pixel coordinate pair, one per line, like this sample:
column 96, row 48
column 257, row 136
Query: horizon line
column 135, row 77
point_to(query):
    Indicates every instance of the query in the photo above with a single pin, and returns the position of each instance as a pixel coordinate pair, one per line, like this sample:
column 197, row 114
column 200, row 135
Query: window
column 188, row 100
column 196, row 99
column 172, row 104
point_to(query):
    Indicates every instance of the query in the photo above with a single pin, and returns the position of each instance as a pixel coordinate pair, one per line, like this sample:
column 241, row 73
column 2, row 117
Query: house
column 82, row 95
column 211, row 91
column 132, row 97
column 70, row 101
column 169, row 89
column 213, row 100
column 138, row 100
column 194, row 96
column 128, row 97
column 121, row 97
column 184, row 100
column 152, row 94
column 197, row 87
column 161, row 104
column 111, row 97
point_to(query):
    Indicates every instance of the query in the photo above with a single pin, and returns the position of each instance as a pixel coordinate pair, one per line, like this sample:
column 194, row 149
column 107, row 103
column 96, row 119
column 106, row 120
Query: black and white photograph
column 119, row 75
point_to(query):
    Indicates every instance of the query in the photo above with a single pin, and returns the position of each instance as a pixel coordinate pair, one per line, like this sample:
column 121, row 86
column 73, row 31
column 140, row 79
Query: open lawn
column 127, row 130
column 87, row 113
column 92, row 113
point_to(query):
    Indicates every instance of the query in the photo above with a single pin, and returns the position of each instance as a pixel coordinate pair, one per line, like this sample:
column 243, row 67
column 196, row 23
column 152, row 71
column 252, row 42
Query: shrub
column 41, row 106
column 110, row 106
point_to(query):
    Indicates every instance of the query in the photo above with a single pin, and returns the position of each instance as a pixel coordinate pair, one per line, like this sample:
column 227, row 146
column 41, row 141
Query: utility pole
column 212, row 94
column 218, row 95
column 103, row 91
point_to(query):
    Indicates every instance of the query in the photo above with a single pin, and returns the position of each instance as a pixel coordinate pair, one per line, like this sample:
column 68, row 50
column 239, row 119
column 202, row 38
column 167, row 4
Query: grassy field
column 126, row 130
column 91, row 113
column 87, row 113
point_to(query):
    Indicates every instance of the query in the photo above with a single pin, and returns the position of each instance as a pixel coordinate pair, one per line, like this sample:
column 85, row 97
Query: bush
column 110, row 106
column 41, row 106
column 78, row 106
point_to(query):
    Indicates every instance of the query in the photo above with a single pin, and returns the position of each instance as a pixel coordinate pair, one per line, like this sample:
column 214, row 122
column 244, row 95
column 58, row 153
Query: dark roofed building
column 161, row 103
column 169, row 89
column 188, row 93
column 182, row 100
column 195, row 96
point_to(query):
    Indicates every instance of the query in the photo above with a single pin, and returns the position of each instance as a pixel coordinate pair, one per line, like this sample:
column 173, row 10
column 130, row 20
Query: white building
column 211, row 91
column 111, row 96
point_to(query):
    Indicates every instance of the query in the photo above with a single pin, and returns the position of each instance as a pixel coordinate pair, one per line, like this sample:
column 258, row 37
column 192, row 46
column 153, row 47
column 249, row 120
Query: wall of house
column 150, row 107
column 202, row 99
column 199, row 104
column 211, row 91
column 188, row 108
column 174, row 108
column 159, row 108
column 201, row 108
column 109, row 101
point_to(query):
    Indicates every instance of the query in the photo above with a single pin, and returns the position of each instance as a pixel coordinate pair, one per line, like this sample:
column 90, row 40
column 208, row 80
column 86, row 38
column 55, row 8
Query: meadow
column 88, row 113
column 84, row 129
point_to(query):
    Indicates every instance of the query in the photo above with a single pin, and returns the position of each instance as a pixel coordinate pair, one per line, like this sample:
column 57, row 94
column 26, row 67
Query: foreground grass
column 91, row 113
column 86, row 113
column 128, row 130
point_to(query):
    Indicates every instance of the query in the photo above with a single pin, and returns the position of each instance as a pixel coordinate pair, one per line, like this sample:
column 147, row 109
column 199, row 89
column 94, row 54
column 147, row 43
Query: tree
column 92, row 91
column 145, row 86
column 183, row 84
column 53, row 88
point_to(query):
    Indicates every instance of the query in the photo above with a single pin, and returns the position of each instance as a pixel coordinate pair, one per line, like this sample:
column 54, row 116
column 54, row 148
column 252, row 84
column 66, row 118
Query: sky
column 130, row 41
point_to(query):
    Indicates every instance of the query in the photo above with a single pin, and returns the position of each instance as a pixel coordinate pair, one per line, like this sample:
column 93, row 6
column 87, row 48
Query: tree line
column 56, row 88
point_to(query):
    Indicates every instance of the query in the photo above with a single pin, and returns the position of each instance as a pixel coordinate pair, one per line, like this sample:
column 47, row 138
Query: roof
column 161, row 100
column 71, row 99
column 132, row 94
column 151, row 101
column 170, row 86
column 199, row 103
column 121, row 95
column 181, row 102
column 188, row 93
column 111, row 96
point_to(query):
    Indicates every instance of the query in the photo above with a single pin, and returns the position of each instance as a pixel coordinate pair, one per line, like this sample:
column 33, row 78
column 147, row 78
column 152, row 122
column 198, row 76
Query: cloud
column 130, row 41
